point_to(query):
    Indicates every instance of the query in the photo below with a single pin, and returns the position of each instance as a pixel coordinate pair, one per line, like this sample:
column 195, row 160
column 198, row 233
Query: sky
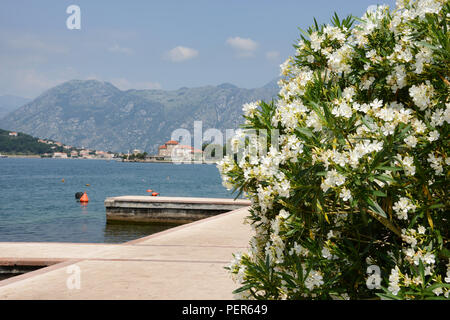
column 155, row 44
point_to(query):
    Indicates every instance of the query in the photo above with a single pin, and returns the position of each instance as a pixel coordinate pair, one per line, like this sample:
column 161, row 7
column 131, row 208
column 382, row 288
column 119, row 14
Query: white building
column 60, row 155
column 172, row 149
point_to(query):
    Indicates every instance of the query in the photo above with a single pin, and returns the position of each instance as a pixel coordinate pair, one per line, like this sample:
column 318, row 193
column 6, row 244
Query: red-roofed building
column 173, row 149
column 166, row 149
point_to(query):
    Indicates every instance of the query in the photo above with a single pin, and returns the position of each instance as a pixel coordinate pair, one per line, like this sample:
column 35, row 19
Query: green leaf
column 243, row 288
column 378, row 213
column 388, row 296
column 375, row 207
column 422, row 272
column 306, row 132
column 317, row 109
column 378, row 193
column 437, row 285
column 437, row 298
column 385, row 178
column 445, row 252
column 387, row 168
column 436, row 206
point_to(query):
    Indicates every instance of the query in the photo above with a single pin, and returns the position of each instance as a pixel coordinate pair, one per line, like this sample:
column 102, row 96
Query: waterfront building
column 172, row 149
column 60, row 155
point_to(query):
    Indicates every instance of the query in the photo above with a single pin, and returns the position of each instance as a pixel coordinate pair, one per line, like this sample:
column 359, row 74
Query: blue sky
column 155, row 44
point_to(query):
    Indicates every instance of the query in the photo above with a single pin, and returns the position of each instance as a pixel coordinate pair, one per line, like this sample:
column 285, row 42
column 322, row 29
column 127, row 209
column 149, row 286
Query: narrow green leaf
column 384, row 177
column 375, row 207
column 306, row 132
column 378, row 193
column 388, row 168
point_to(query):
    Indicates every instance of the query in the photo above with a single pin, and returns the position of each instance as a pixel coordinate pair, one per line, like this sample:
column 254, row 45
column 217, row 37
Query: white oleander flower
column 284, row 214
column 422, row 95
column 402, row 206
column 408, row 165
column 411, row 141
column 429, row 258
column 250, row 108
column 438, row 291
column 333, row 178
column 343, row 110
column 367, row 83
column 421, row 230
column 394, row 279
column 326, row 253
column 435, row 163
column 314, row 280
column 316, row 41
column 345, row 194
column 433, row 136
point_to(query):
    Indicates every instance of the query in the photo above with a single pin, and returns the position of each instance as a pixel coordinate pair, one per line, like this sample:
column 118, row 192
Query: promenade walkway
column 185, row 262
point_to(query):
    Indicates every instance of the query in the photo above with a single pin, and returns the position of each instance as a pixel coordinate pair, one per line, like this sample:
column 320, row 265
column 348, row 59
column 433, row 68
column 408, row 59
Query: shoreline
column 18, row 156
column 32, row 156
column 171, row 161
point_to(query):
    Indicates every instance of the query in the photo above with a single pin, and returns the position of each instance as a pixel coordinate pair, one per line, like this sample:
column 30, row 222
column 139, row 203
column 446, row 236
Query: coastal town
column 74, row 153
column 169, row 151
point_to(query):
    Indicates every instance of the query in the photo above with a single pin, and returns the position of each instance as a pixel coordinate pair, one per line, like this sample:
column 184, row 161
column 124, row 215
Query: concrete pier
column 178, row 210
column 184, row 262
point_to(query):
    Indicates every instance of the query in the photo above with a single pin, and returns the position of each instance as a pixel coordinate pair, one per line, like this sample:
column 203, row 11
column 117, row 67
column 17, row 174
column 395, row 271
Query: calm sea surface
column 35, row 205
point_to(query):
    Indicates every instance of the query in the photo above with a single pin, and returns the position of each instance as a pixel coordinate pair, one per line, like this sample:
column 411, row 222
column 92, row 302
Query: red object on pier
column 84, row 198
column 154, row 194
column 149, row 190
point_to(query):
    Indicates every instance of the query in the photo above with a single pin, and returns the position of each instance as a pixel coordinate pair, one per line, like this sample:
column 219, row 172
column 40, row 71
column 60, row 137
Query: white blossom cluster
column 346, row 136
column 415, row 253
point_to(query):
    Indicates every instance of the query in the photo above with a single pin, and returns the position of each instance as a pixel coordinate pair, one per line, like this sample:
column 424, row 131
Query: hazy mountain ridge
column 97, row 115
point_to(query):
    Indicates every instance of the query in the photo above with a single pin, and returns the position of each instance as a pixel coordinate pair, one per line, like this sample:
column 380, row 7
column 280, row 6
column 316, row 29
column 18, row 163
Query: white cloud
column 272, row 55
column 118, row 49
column 179, row 54
column 245, row 47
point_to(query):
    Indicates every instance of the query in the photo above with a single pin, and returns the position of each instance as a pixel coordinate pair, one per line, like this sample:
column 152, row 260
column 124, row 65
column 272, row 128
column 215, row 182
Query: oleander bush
column 348, row 176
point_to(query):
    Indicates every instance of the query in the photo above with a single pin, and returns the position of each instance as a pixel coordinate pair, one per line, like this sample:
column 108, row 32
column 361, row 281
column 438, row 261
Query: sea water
column 37, row 196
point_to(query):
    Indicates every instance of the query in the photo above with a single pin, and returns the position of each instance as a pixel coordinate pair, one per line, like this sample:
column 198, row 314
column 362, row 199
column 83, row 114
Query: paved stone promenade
column 185, row 262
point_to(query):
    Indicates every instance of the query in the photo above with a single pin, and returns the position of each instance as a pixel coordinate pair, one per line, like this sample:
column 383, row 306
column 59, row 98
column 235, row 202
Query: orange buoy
column 154, row 194
column 84, row 198
column 149, row 190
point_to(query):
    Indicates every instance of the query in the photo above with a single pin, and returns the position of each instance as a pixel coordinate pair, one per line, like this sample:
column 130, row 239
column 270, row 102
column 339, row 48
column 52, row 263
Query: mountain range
column 97, row 115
